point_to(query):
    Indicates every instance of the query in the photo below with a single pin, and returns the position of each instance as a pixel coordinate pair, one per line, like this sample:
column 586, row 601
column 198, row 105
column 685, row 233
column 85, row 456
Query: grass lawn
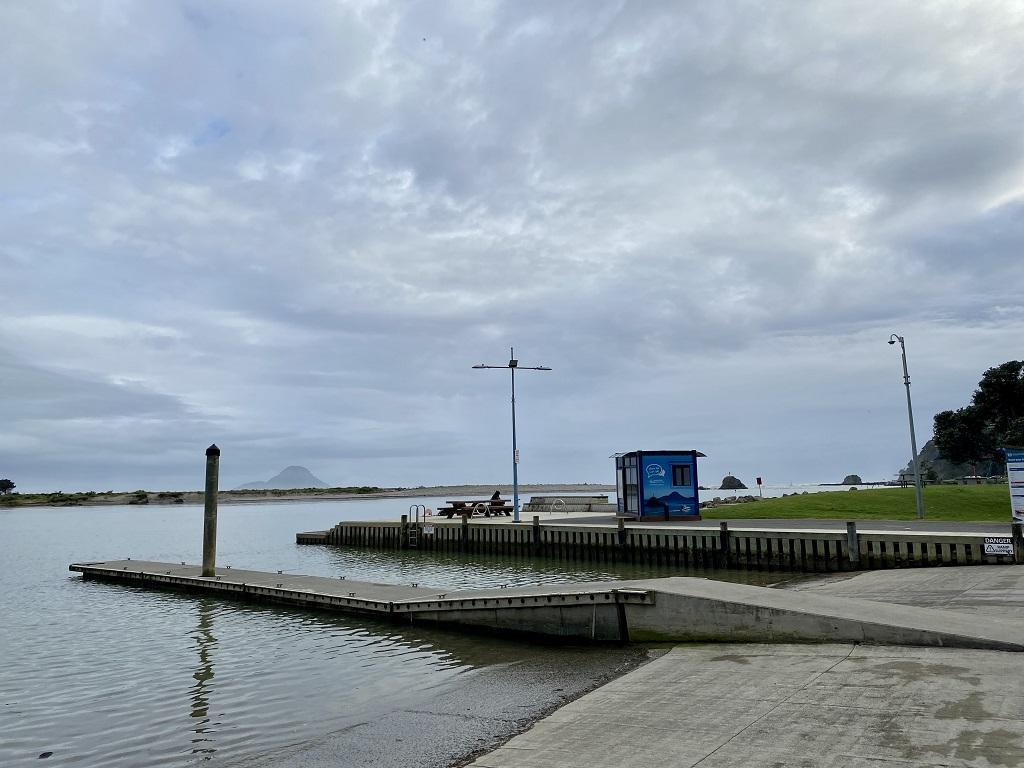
column 964, row 503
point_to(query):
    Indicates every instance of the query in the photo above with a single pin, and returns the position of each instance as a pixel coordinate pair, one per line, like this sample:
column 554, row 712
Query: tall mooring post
column 210, row 510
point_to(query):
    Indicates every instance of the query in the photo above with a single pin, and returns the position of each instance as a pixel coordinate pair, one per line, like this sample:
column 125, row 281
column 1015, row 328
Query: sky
column 293, row 228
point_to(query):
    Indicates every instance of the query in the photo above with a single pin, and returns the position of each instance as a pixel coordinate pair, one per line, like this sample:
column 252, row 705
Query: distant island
column 288, row 478
column 731, row 483
column 852, row 480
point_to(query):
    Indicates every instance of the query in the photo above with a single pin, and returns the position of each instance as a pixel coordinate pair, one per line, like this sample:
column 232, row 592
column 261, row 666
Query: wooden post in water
column 210, row 510
column 723, row 544
column 852, row 543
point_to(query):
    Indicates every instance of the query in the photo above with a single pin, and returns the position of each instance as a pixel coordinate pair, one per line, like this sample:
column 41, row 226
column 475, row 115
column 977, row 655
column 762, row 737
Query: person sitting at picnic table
column 496, row 500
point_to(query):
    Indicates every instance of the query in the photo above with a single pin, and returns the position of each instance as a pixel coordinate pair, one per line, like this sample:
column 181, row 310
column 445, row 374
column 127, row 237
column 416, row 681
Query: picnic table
column 470, row 507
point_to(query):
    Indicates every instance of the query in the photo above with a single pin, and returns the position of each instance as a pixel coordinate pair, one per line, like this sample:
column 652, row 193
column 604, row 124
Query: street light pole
column 893, row 338
column 512, row 365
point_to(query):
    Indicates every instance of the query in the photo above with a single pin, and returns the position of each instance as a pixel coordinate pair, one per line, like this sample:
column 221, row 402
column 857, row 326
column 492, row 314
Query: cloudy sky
column 292, row 228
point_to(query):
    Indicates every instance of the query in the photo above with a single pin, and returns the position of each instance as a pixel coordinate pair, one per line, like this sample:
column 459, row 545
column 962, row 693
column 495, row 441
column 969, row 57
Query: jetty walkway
column 672, row 609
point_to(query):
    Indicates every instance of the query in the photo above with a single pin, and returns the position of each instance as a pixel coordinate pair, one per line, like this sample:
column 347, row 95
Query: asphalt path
column 922, row 526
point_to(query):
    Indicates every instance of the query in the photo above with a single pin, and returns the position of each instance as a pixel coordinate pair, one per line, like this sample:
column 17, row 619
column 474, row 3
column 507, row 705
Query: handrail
column 415, row 508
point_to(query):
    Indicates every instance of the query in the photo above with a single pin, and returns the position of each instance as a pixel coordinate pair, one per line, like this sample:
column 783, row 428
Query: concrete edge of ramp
column 689, row 609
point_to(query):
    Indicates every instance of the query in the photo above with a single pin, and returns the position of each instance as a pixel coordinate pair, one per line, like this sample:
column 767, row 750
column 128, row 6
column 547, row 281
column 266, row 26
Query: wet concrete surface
column 996, row 591
column 769, row 706
column 468, row 717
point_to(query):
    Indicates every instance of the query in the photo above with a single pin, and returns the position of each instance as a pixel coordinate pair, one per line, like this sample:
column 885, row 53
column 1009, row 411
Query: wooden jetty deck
column 671, row 609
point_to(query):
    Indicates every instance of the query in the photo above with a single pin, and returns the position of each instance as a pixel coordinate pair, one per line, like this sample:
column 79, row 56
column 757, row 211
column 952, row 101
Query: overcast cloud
column 291, row 228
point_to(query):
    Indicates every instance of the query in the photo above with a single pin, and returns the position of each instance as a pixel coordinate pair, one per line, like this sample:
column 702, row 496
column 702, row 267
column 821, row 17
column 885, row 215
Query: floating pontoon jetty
column 670, row 609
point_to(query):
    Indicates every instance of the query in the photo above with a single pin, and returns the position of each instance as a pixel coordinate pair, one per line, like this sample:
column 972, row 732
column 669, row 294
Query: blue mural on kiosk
column 658, row 483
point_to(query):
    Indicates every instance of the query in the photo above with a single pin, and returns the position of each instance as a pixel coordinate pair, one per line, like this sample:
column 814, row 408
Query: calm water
column 103, row 674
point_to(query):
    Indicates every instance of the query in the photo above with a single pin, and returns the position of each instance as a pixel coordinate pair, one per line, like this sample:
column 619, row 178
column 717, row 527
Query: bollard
column 723, row 541
column 852, row 543
column 1018, row 542
column 210, row 510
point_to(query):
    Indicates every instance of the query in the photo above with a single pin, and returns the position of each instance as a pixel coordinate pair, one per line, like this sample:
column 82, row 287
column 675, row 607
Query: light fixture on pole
column 893, row 338
column 512, row 365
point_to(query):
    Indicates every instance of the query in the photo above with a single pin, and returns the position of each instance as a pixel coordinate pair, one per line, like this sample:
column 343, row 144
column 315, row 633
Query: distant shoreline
column 165, row 498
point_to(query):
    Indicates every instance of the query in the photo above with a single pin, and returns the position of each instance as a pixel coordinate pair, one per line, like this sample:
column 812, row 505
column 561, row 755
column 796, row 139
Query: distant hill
column 290, row 477
column 934, row 467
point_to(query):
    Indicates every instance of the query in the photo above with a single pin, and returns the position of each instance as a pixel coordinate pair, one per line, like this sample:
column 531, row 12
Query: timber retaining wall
column 748, row 548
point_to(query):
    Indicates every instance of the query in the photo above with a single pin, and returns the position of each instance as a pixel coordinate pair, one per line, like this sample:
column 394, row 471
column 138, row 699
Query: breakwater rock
column 718, row 501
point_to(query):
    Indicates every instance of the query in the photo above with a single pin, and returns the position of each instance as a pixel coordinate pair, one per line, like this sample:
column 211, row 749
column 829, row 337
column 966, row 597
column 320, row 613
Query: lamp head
column 892, row 341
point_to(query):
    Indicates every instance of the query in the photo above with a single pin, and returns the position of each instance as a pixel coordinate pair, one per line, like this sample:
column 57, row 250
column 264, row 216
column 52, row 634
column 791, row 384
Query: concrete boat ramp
column 813, row 706
column 669, row 610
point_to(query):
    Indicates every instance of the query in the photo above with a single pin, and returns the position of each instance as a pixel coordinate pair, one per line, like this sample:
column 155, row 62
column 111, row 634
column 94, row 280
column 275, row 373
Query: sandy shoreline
column 260, row 497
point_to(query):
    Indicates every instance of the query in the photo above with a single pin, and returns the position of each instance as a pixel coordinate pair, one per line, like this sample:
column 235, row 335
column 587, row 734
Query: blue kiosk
column 657, row 485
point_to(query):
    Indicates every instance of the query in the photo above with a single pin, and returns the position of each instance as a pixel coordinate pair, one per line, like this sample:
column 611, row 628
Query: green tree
column 963, row 437
column 999, row 397
column 995, row 418
column 6, row 486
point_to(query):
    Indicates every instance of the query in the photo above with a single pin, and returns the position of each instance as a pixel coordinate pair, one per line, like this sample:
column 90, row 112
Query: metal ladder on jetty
column 413, row 531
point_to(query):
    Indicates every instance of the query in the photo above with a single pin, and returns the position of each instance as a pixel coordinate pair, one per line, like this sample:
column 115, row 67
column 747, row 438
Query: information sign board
column 1015, row 477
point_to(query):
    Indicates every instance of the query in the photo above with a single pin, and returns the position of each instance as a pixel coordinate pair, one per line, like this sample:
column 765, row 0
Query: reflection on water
column 468, row 571
column 200, row 694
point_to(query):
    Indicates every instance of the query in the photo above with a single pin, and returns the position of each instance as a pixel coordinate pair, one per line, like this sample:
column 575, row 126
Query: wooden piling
column 210, row 511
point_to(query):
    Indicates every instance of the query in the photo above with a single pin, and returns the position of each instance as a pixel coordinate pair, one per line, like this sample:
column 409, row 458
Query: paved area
column 990, row 590
column 777, row 706
column 864, row 526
